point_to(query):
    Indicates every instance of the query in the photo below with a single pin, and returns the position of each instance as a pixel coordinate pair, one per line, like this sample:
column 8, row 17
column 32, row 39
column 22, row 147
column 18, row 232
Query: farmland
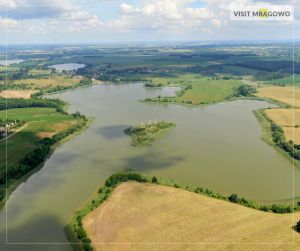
column 16, row 94
column 39, row 123
column 154, row 217
column 289, row 120
column 49, row 82
column 286, row 95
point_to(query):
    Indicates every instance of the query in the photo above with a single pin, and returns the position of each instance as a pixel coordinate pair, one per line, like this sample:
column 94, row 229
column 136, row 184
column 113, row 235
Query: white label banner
column 262, row 13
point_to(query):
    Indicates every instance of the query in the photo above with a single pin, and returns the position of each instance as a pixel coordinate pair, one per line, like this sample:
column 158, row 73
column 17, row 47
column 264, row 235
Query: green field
column 200, row 89
column 286, row 80
column 39, row 73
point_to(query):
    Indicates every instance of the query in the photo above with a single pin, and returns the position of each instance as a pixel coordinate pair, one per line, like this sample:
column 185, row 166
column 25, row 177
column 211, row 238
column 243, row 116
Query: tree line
column 12, row 103
column 288, row 146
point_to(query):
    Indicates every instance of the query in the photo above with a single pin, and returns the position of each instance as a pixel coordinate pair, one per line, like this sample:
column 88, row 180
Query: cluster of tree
column 11, row 86
column 288, row 146
column 244, row 90
column 20, row 74
column 89, row 71
column 234, row 198
column 117, row 178
column 279, row 84
column 297, row 227
column 114, row 75
column 266, row 76
column 270, row 66
column 83, row 82
column 281, row 209
column 184, row 89
column 160, row 99
column 151, row 84
column 12, row 103
column 79, row 115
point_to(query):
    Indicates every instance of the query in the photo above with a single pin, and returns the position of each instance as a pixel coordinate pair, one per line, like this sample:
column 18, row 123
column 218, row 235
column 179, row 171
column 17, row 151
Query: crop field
column 287, row 95
column 40, row 122
column 39, row 73
column 38, row 83
column 16, row 93
column 289, row 120
column 140, row 216
column 204, row 90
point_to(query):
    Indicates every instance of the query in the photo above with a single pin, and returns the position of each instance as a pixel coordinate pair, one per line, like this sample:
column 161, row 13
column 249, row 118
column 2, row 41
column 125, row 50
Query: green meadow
column 198, row 89
column 286, row 81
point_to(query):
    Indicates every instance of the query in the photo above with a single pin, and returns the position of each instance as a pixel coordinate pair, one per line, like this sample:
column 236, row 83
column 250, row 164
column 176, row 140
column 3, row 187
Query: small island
column 145, row 133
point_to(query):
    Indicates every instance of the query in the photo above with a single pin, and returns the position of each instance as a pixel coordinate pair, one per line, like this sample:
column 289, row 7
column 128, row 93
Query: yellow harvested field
column 289, row 120
column 281, row 94
column 292, row 134
column 143, row 216
column 47, row 82
column 16, row 94
column 284, row 117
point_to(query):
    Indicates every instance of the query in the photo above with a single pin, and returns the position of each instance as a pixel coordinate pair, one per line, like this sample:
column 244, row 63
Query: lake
column 10, row 61
column 217, row 147
column 66, row 67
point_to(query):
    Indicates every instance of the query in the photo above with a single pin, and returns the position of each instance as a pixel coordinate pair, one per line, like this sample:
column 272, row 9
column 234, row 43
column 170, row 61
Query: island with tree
column 145, row 133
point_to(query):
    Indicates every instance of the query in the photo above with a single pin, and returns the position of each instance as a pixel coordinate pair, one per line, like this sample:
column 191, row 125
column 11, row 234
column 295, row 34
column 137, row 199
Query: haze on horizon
column 117, row 21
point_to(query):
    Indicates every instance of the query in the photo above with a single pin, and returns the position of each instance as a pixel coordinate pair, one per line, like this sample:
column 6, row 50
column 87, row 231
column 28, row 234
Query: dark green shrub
column 297, row 227
column 233, row 198
column 154, row 179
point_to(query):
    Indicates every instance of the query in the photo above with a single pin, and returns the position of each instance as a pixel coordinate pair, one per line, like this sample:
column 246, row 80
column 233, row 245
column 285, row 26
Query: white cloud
column 9, row 23
column 164, row 15
column 47, row 15
column 128, row 9
column 162, row 19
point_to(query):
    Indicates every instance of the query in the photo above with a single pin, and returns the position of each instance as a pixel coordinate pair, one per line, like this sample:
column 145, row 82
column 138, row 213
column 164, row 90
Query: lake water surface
column 66, row 67
column 10, row 61
column 216, row 147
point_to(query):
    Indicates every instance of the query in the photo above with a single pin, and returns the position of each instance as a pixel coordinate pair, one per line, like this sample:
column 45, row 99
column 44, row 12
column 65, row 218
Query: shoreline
column 259, row 114
column 15, row 184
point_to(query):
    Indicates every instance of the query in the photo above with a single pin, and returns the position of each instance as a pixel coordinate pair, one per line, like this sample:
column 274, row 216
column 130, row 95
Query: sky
column 117, row 21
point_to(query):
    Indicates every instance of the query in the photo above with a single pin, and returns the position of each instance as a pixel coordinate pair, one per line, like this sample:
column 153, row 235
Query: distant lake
column 10, row 61
column 67, row 67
